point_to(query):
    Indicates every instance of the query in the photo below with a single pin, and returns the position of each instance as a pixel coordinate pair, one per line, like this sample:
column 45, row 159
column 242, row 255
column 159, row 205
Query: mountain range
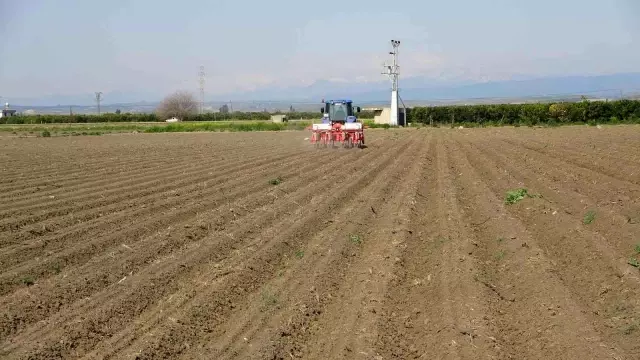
column 422, row 89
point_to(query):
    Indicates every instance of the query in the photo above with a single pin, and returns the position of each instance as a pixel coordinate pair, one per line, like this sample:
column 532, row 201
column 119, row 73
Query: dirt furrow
column 290, row 328
column 51, row 295
column 61, row 254
column 142, row 165
column 179, row 246
column 535, row 314
column 346, row 328
column 595, row 163
column 96, row 195
column 68, row 169
column 167, row 276
column 435, row 308
column 599, row 285
column 71, row 168
column 112, row 209
column 248, row 270
column 615, row 203
column 623, row 141
column 70, row 172
column 603, row 154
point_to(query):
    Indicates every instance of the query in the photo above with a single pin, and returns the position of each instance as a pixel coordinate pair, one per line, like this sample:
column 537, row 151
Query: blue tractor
column 339, row 125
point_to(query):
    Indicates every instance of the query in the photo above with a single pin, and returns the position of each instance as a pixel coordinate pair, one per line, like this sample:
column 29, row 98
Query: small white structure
column 172, row 120
column 279, row 118
column 6, row 112
column 383, row 116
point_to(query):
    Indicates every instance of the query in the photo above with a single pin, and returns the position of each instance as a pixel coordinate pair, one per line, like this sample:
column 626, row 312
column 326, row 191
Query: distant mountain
column 339, row 89
column 412, row 89
column 594, row 86
column 426, row 89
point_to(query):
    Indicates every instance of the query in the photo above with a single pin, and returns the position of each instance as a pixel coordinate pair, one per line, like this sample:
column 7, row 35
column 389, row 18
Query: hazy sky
column 157, row 46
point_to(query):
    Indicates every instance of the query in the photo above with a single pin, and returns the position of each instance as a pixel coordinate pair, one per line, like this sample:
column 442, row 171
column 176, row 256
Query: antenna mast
column 202, row 75
column 393, row 71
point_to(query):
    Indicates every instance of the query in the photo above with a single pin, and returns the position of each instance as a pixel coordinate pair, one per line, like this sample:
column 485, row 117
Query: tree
column 180, row 105
column 559, row 111
column 224, row 109
column 118, row 111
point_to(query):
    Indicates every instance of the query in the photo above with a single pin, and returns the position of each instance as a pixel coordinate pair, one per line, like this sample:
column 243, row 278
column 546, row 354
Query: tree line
column 582, row 112
column 184, row 107
column 129, row 117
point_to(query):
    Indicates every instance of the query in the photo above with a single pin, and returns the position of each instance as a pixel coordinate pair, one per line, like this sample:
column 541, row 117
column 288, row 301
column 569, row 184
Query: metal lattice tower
column 393, row 72
column 201, row 74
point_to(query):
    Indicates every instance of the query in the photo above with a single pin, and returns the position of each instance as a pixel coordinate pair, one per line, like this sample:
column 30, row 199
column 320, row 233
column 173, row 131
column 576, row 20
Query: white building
column 382, row 115
column 6, row 112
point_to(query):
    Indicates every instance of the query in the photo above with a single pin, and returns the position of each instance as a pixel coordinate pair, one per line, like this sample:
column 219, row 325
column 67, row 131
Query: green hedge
column 530, row 114
column 472, row 115
column 110, row 117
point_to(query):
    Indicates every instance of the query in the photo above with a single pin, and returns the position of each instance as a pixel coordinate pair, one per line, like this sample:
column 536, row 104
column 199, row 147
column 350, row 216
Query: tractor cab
column 339, row 111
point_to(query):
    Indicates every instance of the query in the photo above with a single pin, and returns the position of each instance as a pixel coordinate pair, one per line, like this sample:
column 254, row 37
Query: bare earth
column 177, row 246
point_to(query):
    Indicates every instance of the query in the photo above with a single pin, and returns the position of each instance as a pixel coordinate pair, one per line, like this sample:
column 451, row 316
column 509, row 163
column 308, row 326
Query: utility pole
column 392, row 71
column 98, row 99
column 201, row 74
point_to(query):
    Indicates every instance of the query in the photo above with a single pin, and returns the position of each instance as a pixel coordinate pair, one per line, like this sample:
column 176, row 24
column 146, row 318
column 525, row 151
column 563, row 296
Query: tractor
column 339, row 126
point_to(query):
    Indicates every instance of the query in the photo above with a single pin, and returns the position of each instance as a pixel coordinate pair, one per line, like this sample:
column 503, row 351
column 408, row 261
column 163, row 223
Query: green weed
column 500, row 255
column 276, row 181
column 355, row 239
column 637, row 249
column 589, row 217
column 28, row 280
column 269, row 298
column 634, row 262
column 299, row 254
column 516, row 195
column 45, row 133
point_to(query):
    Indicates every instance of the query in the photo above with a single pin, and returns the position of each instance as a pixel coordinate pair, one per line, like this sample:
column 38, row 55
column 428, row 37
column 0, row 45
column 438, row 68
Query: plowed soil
column 165, row 246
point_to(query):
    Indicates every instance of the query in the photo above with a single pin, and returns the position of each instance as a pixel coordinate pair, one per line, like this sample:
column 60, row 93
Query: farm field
column 259, row 246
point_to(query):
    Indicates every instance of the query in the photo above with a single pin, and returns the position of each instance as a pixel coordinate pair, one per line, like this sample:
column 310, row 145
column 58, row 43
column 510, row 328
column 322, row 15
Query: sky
column 155, row 47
